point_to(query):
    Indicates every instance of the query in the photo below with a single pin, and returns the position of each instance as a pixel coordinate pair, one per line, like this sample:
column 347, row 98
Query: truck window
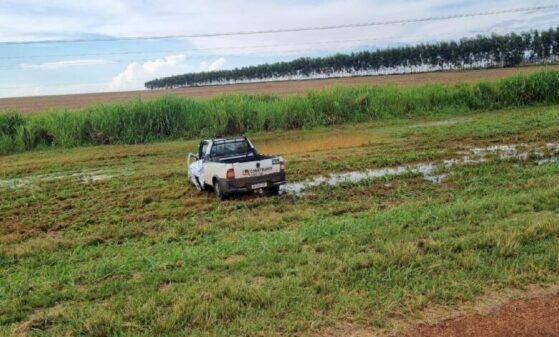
column 231, row 149
column 202, row 150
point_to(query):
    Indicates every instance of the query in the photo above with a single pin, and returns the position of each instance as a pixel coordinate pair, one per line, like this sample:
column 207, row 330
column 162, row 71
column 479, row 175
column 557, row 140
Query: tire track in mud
column 436, row 172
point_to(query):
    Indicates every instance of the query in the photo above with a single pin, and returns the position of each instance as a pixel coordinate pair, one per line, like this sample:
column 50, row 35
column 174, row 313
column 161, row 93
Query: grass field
column 110, row 240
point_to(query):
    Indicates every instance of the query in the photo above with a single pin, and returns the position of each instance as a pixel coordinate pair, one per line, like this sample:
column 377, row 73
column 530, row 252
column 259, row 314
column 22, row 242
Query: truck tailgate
column 256, row 168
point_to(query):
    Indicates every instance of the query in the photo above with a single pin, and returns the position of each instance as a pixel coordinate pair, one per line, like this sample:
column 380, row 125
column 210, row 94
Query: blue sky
column 60, row 68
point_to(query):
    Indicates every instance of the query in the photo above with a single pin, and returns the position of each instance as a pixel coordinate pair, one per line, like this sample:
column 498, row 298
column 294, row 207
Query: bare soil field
column 530, row 312
column 42, row 103
column 537, row 317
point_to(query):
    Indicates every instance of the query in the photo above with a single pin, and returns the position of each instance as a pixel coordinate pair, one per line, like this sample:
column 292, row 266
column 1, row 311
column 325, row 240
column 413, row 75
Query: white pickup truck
column 230, row 165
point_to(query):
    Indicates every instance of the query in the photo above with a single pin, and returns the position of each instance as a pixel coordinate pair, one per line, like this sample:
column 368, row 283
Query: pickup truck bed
column 245, row 159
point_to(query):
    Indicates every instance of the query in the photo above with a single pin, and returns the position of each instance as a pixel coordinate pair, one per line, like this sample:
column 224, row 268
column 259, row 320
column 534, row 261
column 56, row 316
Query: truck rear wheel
column 218, row 190
column 274, row 190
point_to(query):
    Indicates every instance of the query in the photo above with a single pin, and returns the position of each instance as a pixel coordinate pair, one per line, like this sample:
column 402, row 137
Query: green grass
column 143, row 254
column 172, row 117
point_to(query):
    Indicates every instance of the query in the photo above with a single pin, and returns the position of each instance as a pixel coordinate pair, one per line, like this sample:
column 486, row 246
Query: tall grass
column 174, row 117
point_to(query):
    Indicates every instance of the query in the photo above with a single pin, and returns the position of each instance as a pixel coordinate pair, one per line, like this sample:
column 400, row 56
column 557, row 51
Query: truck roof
column 228, row 139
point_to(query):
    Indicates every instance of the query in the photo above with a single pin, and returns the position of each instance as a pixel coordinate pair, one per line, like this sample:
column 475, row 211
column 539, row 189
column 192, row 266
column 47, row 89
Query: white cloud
column 136, row 74
column 215, row 65
column 32, row 89
column 63, row 64
column 133, row 77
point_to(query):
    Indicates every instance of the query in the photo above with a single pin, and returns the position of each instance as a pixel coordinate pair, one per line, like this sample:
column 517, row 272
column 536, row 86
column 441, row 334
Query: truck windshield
column 230, row 149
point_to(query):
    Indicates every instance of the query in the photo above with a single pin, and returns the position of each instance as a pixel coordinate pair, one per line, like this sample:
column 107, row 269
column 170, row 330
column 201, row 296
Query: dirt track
column 532, row 312
column 537, row 317
column 41, row 103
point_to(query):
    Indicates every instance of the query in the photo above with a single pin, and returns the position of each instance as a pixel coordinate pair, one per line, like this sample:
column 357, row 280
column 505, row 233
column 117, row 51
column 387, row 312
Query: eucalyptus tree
column 481, row 51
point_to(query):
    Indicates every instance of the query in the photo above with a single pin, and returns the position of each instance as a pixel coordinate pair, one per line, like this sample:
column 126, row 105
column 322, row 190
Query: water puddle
column 425, row 169
column 437, row 123
column 85, row 176
column 433, row 171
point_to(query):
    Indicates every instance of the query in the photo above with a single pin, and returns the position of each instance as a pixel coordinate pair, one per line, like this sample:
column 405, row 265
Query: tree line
column 495, row 50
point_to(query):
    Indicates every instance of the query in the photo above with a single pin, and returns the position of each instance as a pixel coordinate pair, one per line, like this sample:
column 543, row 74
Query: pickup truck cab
column 230, row 165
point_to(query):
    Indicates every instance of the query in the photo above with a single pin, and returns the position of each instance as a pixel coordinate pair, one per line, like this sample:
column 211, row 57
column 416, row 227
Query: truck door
column 197, row 168
column 204, row 154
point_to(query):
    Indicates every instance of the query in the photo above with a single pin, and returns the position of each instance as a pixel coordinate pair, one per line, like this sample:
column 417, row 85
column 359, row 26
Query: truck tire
column 218, row 190
column 197, row 184
column 274, row 190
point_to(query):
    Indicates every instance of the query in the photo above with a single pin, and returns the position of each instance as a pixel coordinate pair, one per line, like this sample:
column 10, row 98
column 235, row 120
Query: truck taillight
column 230, row 174
column 282, row 166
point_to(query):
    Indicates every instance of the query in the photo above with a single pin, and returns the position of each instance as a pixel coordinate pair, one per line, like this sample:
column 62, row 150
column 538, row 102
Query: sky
column 76, row 67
